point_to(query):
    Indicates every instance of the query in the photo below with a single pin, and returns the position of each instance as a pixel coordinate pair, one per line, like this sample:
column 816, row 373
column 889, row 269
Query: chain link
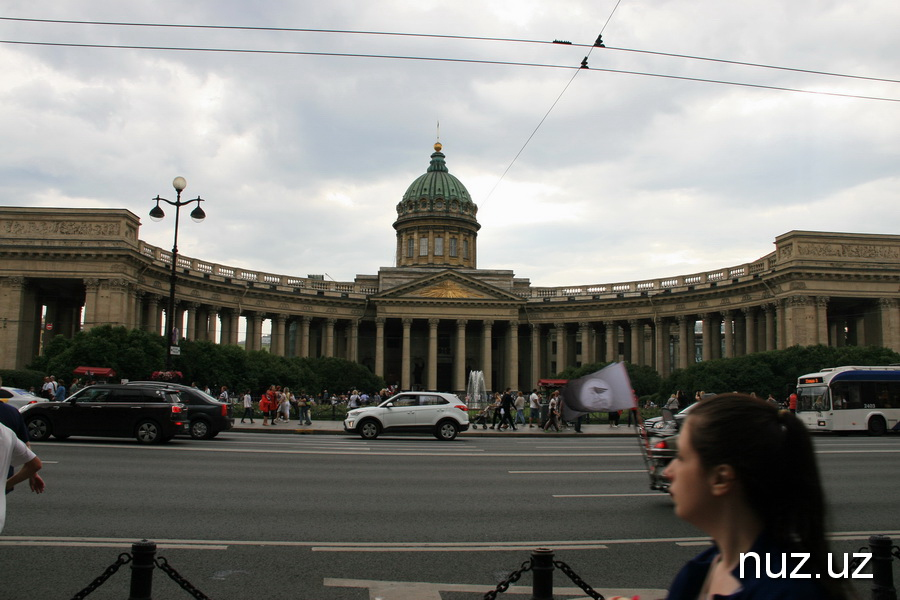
column 510, row 579
column 578, row 580
column 175, row 576
column 123, row 559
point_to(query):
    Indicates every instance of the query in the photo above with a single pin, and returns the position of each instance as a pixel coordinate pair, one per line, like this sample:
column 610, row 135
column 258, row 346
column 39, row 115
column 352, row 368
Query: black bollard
column 142, row 565
column 542, row 574
column 882, row 576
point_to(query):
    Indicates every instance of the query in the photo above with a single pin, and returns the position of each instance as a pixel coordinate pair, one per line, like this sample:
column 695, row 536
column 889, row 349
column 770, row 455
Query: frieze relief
column 867, row 251
column 44, row 228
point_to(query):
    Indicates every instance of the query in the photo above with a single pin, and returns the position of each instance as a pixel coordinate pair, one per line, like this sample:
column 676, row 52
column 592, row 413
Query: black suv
column 148, row 413
column 206, row 415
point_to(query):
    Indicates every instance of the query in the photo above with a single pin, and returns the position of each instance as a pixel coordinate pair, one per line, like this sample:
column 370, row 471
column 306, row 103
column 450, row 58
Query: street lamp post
column 156, row 213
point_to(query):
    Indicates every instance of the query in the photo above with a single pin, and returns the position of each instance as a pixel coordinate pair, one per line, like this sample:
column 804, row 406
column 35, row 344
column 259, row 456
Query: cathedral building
column 435, row 316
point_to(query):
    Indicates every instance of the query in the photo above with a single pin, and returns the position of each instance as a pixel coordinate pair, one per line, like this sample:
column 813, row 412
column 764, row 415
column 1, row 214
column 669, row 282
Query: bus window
column 813, row 398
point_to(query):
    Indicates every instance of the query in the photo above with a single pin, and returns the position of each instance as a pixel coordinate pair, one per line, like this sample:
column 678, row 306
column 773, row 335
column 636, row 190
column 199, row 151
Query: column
column 584, row 333
column 278, row 334
column 304, row 336
column 781, row 326
column 749, row 329
column 612, row 341
column 432, row 353
column 822, row 319
column 707, row 336
column 637, row 341
column 405, row 366
column 535, row 354
column 212, row 325
column 685, row 341
column 459, row 360
column 512, row 378
column 234, row 319
column 354, row 340
column 379, row 344
column 560, row 347
column 190, row 331
column 91, row 301
column 661, row 341
column 771, row 334
column 890, row 323
column 486, row 357
column 728, row 327
column 329, row 337
column 254, row 331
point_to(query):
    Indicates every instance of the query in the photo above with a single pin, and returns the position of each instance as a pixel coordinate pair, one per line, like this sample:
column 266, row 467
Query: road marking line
column 552, row 472
column 658, row 494
column 413, row 590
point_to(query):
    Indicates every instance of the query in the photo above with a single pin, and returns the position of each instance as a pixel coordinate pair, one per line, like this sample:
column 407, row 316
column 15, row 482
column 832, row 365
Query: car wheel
column 200, row 430
column 877, row 426
column 369, row 429
column 39, row 429
column 148, row 432
column 446, row 431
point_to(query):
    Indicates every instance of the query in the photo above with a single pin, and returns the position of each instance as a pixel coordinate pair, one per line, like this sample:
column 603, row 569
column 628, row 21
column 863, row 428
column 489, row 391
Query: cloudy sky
column 303, row 143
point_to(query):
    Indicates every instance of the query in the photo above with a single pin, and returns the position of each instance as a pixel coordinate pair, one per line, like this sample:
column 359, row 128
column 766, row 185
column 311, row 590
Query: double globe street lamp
column 157, row 214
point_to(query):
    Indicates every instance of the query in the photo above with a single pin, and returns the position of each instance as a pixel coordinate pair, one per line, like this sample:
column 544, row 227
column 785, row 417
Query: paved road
column 334, row 516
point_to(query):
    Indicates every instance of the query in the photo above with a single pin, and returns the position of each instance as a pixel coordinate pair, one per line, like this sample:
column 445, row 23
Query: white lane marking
column 551, row 472
column 657, row 494
column 468, row 548
column 10, row 540
column 414, row 590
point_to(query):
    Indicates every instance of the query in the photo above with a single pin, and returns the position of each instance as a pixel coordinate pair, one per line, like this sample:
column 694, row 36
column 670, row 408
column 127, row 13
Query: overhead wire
column 443, row 36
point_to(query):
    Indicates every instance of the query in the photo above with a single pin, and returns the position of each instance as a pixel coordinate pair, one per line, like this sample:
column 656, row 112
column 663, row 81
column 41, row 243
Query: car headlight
column 659, row 425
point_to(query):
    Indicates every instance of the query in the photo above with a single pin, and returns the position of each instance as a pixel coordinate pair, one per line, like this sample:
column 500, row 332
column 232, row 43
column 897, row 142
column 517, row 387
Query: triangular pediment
column 451, row 286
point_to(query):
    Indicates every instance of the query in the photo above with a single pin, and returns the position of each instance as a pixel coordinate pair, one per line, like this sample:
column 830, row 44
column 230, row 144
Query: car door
column 84, row 414
column 402, row 412
column 430, row 410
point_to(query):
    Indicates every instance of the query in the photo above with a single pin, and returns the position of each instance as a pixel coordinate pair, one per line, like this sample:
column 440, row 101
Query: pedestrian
column 497, row 414
column 274, row 396
column 614, row 418
column 553, row 412
column 14, row 453
column 792, row 402
column 248, row 406
column 304, row 403
column 60, row 394
column 520, row 408
column 223, row 394
column 534, row 408
column 284, row 408
column 746, row 475
column 507, row 406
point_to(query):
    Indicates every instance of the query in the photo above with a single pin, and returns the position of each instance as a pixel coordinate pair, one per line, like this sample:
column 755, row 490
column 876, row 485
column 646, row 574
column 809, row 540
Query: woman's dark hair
column 772, row 455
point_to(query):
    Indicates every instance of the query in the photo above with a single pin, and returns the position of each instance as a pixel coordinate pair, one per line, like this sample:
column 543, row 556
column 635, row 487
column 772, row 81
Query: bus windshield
column 813, row 398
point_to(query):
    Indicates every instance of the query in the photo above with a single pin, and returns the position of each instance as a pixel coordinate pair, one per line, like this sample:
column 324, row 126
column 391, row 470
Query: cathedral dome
column 436, row 223
column 437, row 193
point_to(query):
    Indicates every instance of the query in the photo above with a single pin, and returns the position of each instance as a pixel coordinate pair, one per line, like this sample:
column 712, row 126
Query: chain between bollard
column 577, row 580
column 175, row 576
column 510, row 579
column 123, row 559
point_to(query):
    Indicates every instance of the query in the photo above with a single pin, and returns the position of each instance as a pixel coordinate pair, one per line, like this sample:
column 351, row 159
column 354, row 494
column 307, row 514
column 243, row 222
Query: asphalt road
column 336, row 517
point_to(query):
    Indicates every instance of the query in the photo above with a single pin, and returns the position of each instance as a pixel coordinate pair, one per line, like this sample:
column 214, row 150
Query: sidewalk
column 337, row 427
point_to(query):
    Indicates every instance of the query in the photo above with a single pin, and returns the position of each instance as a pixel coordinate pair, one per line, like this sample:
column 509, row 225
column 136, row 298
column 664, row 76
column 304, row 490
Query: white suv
column 439, row 413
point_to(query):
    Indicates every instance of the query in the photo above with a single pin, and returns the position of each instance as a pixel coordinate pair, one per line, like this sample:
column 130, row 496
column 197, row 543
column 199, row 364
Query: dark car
column 207, row 416
column 150, row 414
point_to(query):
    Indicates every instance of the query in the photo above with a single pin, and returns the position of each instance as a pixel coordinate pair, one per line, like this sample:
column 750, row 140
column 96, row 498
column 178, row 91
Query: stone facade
column 62, row 270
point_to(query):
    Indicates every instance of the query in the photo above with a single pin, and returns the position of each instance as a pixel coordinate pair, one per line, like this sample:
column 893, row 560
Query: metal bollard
column 542, row 574
column 882, row 576
column 142, row 565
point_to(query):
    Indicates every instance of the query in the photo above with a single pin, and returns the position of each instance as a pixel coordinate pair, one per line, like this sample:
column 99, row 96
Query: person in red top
column 792, row 402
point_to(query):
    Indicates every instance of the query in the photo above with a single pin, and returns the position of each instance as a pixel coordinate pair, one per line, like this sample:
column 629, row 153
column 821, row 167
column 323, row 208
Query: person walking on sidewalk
column 248, row 406
column 520, row 408
column 507, row 405
column 534, row 408
column 553, row 412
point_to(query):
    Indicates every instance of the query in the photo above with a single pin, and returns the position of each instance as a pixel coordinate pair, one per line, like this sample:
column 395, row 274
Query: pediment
column 449, row 285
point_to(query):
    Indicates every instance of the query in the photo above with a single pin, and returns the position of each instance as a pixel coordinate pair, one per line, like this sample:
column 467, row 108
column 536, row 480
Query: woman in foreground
column 746, row 475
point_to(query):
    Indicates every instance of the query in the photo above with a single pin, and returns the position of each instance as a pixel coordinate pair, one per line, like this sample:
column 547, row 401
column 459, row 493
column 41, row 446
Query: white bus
column 850, row 399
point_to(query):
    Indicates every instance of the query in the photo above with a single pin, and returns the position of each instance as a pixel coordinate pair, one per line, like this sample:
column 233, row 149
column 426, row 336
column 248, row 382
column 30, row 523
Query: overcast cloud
column 302, row 159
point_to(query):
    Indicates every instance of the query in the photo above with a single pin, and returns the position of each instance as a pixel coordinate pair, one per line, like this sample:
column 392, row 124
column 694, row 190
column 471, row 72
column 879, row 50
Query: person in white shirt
column 534, row 404
column 14, row 452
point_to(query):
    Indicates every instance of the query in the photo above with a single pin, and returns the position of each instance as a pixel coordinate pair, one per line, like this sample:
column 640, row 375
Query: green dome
column 437, row 193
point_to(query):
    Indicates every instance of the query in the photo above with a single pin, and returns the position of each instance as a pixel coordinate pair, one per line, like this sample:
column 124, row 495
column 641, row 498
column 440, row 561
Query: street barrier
column 542, row 565
column 143, row 561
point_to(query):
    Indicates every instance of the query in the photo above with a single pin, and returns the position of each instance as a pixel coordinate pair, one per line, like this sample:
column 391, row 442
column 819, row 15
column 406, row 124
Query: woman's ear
column 722, row 479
